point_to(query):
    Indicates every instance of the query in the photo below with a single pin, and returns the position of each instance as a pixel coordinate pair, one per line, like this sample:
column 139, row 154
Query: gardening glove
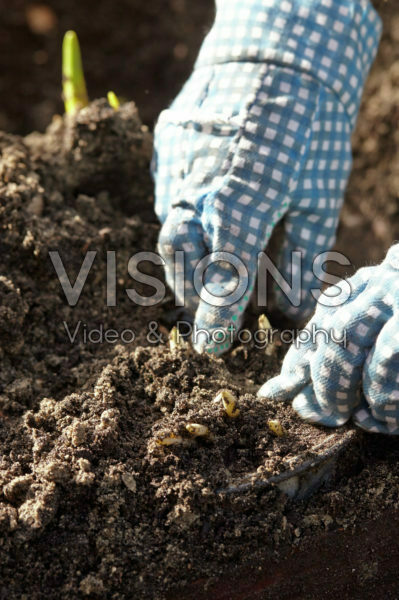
column 259, row 133
column 347, row 347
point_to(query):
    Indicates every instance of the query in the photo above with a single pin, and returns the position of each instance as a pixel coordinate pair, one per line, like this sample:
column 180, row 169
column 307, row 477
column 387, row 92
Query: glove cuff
column 333, row 40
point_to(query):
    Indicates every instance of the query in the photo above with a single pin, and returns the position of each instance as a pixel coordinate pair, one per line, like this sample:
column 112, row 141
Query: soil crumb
column 95, row 490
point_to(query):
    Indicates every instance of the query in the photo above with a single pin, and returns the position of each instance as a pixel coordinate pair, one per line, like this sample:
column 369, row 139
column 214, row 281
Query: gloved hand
column 325, row 376
column 260, row 131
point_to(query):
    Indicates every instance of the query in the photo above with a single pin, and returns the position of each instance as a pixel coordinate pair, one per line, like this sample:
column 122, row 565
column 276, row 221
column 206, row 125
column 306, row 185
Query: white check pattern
column 334, row 381
column 260, row 133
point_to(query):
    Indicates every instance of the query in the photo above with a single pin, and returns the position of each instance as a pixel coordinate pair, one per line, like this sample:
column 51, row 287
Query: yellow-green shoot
column 113, row 100
column 73, row 80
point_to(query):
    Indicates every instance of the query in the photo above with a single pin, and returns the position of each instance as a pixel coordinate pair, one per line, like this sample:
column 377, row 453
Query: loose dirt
column 92, row 504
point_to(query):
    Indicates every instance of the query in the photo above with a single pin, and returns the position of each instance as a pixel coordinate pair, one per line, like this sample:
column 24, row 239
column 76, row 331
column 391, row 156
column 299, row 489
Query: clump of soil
column 99, row 149
column 131, row 516
column 47, row 204
column 81, row 422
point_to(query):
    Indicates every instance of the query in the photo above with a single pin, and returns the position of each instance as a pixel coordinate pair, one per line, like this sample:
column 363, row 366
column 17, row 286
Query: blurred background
column 144, row 50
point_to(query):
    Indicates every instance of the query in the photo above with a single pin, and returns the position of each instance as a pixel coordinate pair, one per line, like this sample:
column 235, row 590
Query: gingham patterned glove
column 348, row 362
column 260, row 132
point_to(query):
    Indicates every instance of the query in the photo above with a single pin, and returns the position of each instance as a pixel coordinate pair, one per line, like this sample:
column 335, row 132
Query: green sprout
column 176, row 340
column 113, row 100
column 73, row 80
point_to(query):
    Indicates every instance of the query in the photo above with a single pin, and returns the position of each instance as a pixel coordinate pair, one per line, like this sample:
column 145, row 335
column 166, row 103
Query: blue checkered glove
column 348, row 362
column 260, row 132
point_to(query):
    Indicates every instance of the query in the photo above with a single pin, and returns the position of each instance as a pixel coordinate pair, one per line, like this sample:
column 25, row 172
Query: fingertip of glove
column 263, row 391
column 214, row 334
column 207, row 345
column 309, row 411
column 272, row 389
column 306, row 410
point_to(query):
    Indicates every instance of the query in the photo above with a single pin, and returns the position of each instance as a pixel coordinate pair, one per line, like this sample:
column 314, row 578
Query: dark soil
column 141, row 50
column 145, row 51
column 91, row 504
column 82, row 424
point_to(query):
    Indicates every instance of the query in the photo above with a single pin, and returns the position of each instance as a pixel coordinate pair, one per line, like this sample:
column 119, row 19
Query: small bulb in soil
column 113, row 100
column 170, row 440
column 175, row 339
column 275, row 427
column 73, row 80
column 264, row 325
column 229, row 403
column 197, row 430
